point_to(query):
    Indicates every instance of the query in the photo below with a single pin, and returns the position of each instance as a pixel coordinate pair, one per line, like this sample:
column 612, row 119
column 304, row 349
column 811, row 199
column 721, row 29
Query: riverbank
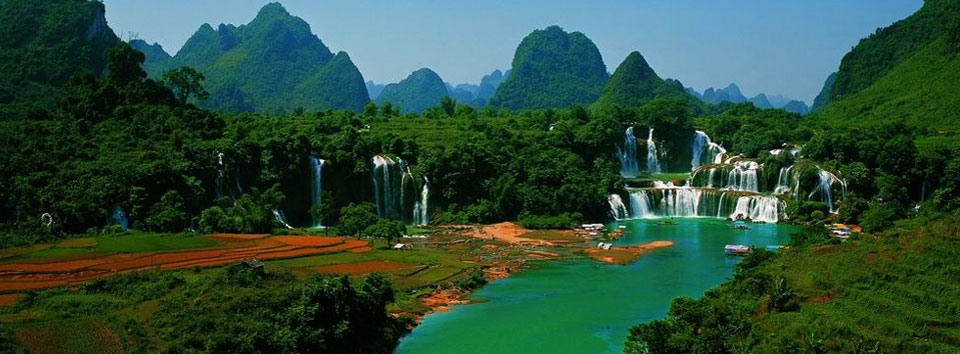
column 578, row 304
column 507, row 248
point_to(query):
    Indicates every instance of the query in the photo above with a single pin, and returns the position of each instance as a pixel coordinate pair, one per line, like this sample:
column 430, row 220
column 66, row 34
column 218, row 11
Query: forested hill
column 273, row 64
column 635, row 83
column 553, row 69
column 43, row 44
column 908, row 70
column 422, row 89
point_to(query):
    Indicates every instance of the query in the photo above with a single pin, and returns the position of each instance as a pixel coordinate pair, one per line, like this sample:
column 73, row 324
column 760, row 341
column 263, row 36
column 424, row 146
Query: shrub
column 562, row 221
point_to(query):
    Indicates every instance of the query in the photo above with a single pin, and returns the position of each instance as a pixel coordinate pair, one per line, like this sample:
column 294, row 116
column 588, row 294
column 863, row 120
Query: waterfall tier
column 703, row 202
column 618, row 211
column 316, row 185
column 653, row 158
column 629, row 166
column 396, row 193
column 738, row 175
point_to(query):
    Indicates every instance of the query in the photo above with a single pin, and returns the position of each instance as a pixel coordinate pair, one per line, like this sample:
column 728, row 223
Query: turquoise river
column 583, row 306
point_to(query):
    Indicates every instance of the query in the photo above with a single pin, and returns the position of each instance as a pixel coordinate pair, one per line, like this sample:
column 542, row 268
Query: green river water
column 583, row 306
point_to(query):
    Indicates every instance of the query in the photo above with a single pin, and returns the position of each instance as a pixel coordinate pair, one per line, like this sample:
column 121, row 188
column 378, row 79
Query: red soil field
column 363, row 267
column 40, row 274
column 7, row 300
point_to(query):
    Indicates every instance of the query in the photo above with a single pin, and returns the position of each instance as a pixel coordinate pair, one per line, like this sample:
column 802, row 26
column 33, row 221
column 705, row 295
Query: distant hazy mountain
column 761, row 101
column 825, row 92
column 44, row 43
column 490, row 83
column 732, row 93
column 273, row 64
column 553, row 69
column 373, row 89
column 477, row 95
column 795, row 106
column 422, row 89
column 635, row 83
column 462, row 93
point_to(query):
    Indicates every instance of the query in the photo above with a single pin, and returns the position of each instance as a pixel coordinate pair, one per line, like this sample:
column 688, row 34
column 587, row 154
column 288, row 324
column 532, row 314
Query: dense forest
column 94, row 146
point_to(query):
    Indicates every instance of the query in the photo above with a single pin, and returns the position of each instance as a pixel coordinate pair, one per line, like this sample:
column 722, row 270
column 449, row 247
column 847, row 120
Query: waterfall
column 387, row 184
column 758, row 208
column 219, row 190
column 783, row 181
column 219, row 180
column 717, row 152
column 701, row 142
column 316, row 185
column 281, row 218
column 629, row 167
column 743, row 177
column 395, row 192
column 118, row 217
column 666, row 200
column 824, row 187
column 420, row 207
column 640, row 205
column 617, row 210
column 653, row 161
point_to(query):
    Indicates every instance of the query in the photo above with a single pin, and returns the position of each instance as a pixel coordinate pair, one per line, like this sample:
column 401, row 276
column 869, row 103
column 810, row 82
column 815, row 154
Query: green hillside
column 43, row 44
column 422, row 89
column 635, row 83
column 273, row 64
column 880, row 53
column 923, row 90
column 553, row 69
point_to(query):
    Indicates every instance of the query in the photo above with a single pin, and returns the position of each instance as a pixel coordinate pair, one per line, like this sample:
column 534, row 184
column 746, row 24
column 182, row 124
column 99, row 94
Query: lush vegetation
column 236, row 309
column 635, row 83
column 891, row 293
column 553, row 69
column 414, row 94
column 273, row 64
column 44, row 43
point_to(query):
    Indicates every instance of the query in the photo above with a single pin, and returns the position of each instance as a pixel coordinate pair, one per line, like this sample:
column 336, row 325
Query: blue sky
column 771, row 46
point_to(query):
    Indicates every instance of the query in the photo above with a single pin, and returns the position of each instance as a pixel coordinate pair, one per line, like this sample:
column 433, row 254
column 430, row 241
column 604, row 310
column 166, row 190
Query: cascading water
column 420, row 207
column 316, row 185
column 617, row 210
column 670, row 201
column 733, row 174
column 629, row 167
column 387, row 185
column 640, row 205
column 824, row 187
column 118, row 217
column 717, row 152
column 743, row 177
column 700, row 143
column 396, row 193
column 653, row 159
column 281, row 218
column 783, row 181
column 219, row 184
column 219, row 180
column 758, row 208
